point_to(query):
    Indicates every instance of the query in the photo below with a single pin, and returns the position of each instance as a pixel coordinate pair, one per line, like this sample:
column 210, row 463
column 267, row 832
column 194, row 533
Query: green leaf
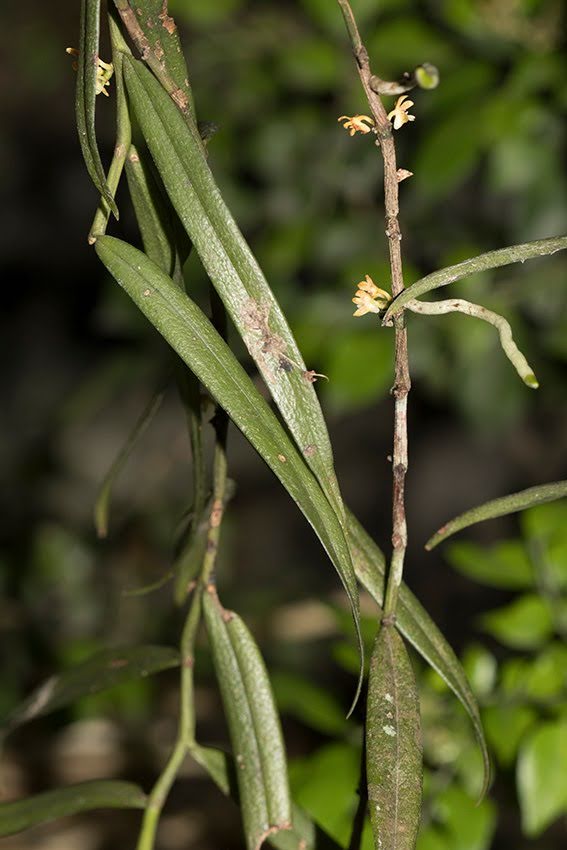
column 104, row 670
column 123, row 129
column 196, row 341
column 431, row 838
column 220, row 767
column 449, row 152
column 83, row 797
column 490, row 260
column 481, row 668
column 253, row 723
column 504, row 565
column 163, row 39
column 324, row 784
column 166, row 243
column 350, row 386
column 153, row 214
column 524, row 624
column 501, row 507
column 215, row 762
column 505, row 727
column 102, row 504
column 233, row 271
column 313, row 705
column 467, row 826
column 542, row 777
column 85, row 98
column 393, row 745
column 417, row 626
column 546, row 675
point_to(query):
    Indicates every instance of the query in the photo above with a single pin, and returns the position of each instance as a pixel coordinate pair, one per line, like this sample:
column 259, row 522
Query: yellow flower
column 400, row 112
column 358, row 123
column 370, row 298
column 104, row 72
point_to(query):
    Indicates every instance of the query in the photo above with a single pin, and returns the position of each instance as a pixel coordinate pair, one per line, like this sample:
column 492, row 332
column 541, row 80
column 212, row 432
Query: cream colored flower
column 357, row 124
column 104, row 72
column 400, row 112
column 370, row 298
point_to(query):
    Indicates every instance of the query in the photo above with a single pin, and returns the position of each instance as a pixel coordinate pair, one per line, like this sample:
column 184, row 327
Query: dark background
column 78, row 364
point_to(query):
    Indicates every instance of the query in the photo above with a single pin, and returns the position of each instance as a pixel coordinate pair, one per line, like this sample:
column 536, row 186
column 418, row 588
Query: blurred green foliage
column 486, row 152
column 521, row 686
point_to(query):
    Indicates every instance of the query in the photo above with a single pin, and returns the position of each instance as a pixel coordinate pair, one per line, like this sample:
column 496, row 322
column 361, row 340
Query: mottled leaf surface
column 253, row 722
column 393, row 745
column 193, row 337
column 417, row 626
column 233, row 270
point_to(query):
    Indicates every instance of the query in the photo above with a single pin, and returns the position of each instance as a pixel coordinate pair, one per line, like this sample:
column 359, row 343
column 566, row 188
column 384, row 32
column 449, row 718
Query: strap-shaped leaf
column 85, row 98
column 490, row 260
column 303, row 833
column 83, row 797
column 123, row 130
column 511, row 504
column 188, row 331
column 417, row 626
column 253, row 724
column 102, row 504
column 165, row 242
column 233, row 270
column 393, row 745
column 104, row 670
column 163, row 38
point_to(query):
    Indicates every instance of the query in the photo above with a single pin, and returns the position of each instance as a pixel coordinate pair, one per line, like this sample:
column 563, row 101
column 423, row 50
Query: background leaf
column 524, row 624
column 503, row 565
column 542, row 778
column 466, row 825
column 501, row 507
column 104, row 670
column 83, row 797
column 102, row 505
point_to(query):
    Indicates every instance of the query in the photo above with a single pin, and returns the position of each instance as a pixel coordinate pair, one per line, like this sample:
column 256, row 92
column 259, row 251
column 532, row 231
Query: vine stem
column 186, row 726
column 402, row 383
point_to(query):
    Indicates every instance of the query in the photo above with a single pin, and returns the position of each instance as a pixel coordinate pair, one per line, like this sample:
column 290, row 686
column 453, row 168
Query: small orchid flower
column 400, row 112
column 370, row 298
column 104, row 72
column 357, row 124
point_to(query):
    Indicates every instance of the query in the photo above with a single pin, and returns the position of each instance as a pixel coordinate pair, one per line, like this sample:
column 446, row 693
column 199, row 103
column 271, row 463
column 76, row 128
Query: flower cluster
column 357, row 124
column 104, row 72
column 400, row 112
column 370, row 298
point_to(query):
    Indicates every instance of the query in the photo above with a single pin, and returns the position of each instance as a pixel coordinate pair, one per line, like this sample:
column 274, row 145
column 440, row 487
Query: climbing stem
column 402, row 384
